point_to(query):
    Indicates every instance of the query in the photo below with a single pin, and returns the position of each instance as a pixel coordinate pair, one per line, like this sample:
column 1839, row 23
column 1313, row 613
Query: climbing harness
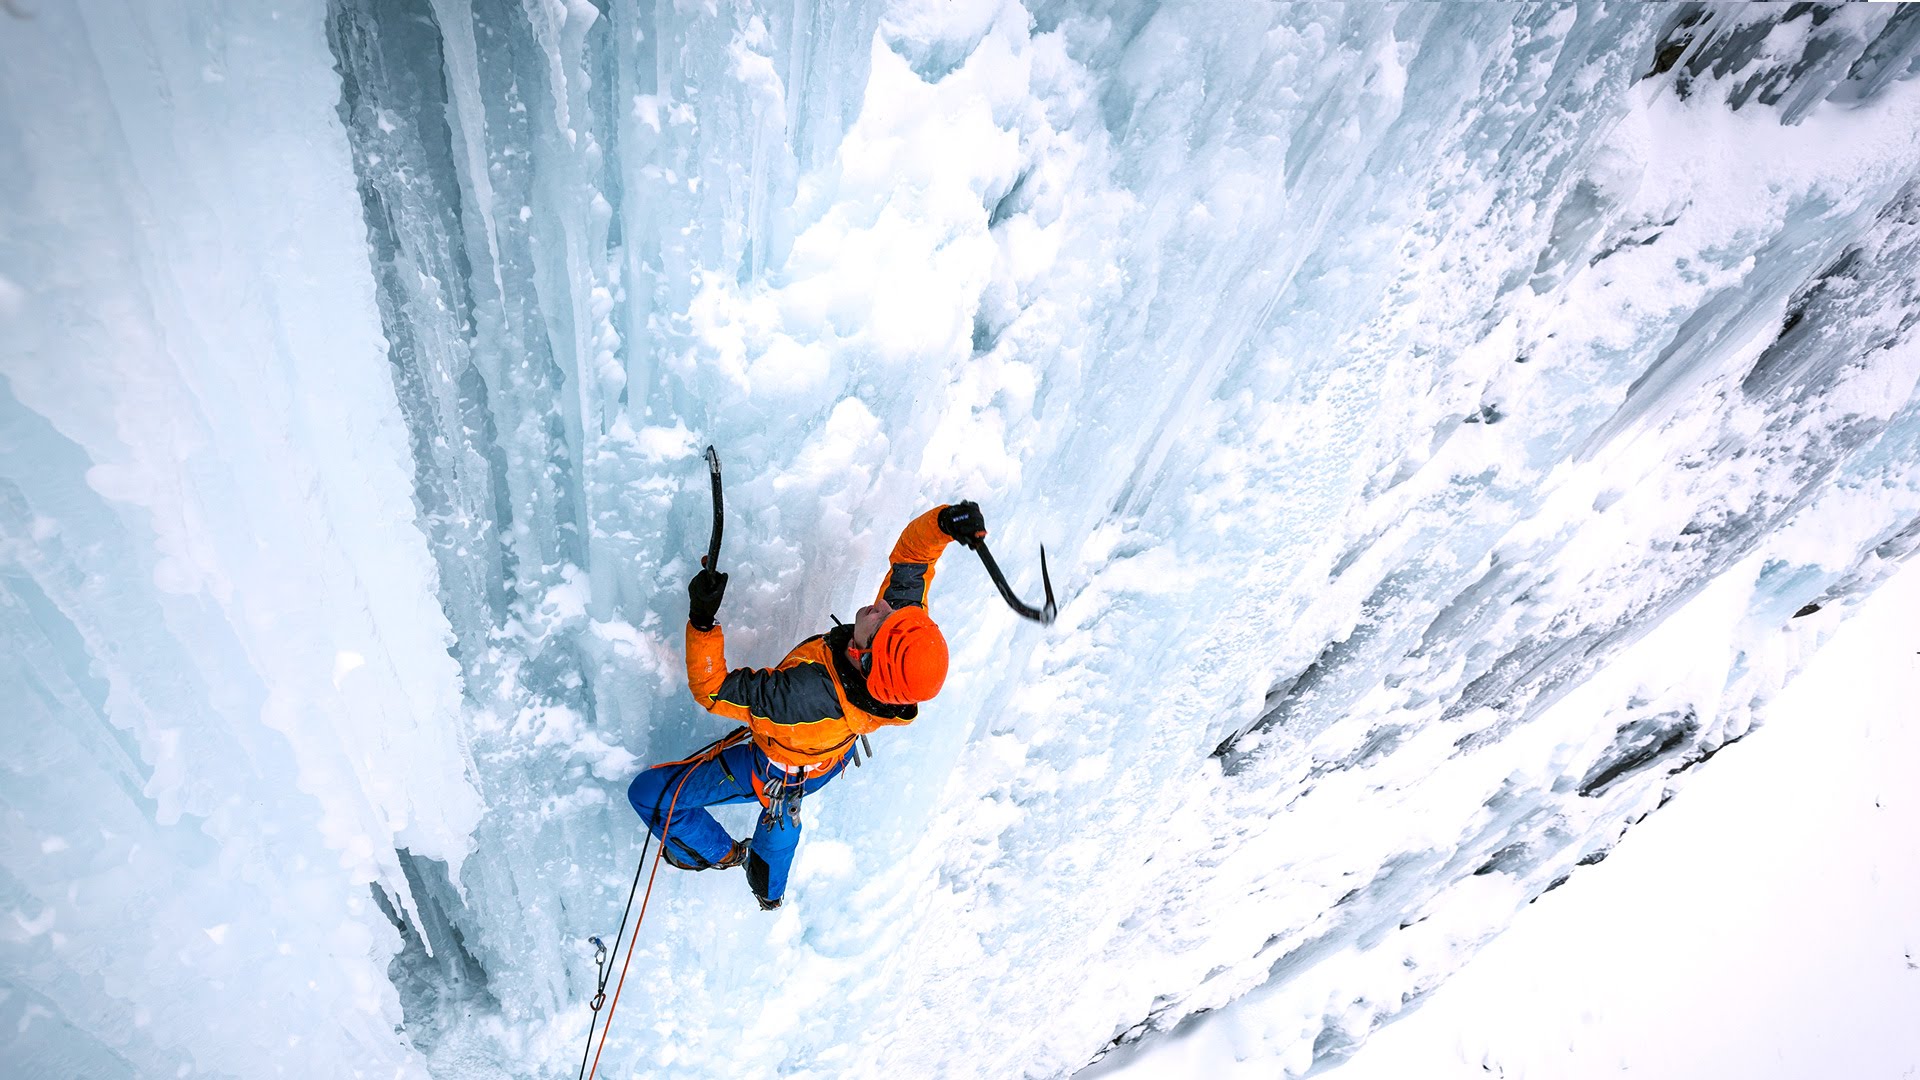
column 783, row 790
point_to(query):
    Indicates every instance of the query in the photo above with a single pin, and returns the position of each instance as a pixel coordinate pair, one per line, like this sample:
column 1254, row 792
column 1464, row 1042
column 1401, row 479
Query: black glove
column 704, row 594
column 964, row 522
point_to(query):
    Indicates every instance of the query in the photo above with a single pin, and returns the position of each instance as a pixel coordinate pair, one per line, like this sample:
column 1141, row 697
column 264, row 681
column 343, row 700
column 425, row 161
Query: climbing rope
column 601, row 960
column 600, row 953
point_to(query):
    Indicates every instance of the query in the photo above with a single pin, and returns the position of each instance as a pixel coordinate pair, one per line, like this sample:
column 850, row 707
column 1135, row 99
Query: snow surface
column 1764, row 925
column 1435, row 415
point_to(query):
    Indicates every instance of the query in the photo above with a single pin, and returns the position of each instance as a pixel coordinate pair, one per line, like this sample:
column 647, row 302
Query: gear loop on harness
column 780, row 793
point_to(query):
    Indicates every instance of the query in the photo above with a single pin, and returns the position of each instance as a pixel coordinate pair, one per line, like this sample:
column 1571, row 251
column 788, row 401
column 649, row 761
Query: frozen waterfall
column 1448, row 425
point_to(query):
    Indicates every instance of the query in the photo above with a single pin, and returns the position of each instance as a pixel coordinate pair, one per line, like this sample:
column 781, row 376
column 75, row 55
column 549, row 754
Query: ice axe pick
column 1042, row 615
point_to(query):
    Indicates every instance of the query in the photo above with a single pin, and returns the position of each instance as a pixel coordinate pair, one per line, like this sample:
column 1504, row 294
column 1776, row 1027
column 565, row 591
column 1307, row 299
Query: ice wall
column 227, row 693
column 1449, row 424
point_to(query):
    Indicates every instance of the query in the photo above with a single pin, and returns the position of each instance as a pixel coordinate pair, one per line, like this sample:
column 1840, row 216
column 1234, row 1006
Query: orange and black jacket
column 809, row 710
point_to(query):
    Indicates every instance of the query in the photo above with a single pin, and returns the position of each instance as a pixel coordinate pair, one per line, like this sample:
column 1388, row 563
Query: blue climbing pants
column 694, row 837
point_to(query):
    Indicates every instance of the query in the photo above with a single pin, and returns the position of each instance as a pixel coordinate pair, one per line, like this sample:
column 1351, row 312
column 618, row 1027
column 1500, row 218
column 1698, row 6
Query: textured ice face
column 1438, row 414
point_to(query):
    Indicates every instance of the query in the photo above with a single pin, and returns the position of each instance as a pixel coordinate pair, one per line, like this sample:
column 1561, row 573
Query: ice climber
column 804, row 717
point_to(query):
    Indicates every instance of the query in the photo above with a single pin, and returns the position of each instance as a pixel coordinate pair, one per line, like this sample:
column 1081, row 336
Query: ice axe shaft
column 712, row 561
column 1037, row 614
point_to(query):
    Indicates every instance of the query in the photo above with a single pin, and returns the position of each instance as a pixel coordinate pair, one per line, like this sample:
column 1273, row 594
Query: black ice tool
column 1037, row 614
column 712, row 560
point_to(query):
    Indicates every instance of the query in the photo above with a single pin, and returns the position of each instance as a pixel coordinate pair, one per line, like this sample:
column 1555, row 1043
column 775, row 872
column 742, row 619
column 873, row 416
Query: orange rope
column 657, row 856
column 711, row 752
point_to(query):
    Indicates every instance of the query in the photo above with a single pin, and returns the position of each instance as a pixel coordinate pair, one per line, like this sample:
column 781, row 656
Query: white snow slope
column 1766, row 925
column 1435, row 416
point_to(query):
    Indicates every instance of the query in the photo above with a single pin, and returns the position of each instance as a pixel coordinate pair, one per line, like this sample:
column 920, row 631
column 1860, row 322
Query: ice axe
column 1041, row 615
column 712, row 559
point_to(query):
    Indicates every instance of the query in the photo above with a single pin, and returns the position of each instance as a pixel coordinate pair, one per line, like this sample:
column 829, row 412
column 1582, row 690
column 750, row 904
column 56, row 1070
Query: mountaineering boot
column 734, row 857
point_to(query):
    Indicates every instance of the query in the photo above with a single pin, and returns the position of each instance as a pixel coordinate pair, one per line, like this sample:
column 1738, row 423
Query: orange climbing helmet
column 909, row 658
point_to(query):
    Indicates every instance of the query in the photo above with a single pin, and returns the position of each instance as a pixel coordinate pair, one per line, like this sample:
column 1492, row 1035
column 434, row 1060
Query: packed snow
column 1447, row 425
column 1738, row 932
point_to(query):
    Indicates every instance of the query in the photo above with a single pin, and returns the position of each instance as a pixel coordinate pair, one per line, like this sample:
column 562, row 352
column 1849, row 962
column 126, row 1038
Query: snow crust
column 1763, row 925
column 1435, row 416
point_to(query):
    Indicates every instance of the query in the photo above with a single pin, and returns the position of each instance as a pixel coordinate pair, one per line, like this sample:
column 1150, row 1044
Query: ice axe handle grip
column 1037, row 614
